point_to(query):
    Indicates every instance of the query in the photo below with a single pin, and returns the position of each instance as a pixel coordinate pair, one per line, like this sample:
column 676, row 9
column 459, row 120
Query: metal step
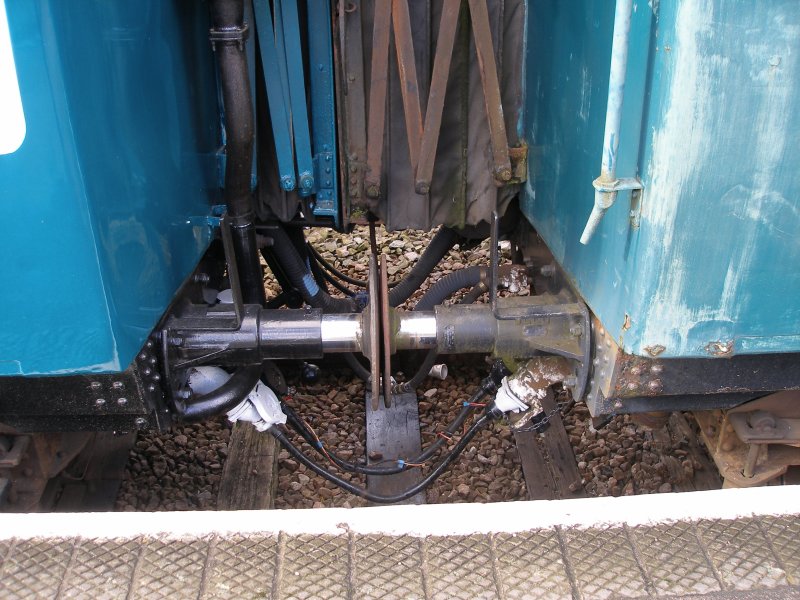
column 741, row 543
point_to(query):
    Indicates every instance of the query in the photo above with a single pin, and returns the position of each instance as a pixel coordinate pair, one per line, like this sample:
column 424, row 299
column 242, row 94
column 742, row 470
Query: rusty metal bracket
column 519, row 163
column 739, row 463
column 773, row 419
column 617, row 185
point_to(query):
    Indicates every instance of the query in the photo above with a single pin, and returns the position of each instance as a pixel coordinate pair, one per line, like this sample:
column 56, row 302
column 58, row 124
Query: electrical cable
column 301, row 277
column 334, row 271
column 335, row 282
column 488, row 386
column 310, row 463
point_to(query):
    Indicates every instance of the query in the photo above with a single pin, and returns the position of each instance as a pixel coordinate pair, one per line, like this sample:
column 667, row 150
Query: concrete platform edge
column 420, row 521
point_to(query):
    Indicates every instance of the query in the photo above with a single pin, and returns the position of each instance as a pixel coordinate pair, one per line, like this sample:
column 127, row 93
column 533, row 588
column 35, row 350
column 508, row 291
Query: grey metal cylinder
column 464, row 329
column 414, row 330
column 290, row 334
column 342, row 333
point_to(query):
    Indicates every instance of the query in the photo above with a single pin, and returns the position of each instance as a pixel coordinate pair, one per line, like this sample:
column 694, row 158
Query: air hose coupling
column 525, row 389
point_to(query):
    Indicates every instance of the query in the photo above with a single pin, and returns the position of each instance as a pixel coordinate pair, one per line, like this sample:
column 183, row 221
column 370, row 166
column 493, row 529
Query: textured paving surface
column 753, row 557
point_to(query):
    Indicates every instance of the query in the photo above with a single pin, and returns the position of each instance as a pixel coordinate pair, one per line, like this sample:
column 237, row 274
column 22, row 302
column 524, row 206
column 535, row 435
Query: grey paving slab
column 747, row 558
column 604, row 563
column 35, row 568
column 170, row 568
column 241, row 566
column 459, row 567
column 784, row 535
column 741, row 554
column 314, row 566
column 5, row 548
column 101, row 569
column 388, row 567
column 673, row 559
column 530, row 566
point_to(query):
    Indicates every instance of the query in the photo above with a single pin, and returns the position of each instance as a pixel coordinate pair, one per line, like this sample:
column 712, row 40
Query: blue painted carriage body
column 106, row 198
column 707, row 263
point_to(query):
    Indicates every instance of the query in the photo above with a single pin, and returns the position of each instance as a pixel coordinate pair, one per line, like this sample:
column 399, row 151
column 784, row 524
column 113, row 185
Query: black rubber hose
column 449, row 285
column 225, row 397
column 440, row 245
column 300, row 275
column 422, row 372
column 369, row 496
column 360, row 370
column 475, row 293
column 351, row 467
column 227, row 37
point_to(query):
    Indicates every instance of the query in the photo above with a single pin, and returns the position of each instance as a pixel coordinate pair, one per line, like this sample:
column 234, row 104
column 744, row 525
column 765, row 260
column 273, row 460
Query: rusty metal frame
column 352, row 97
column 409, row 85
column 379, row 80
column 448, row 26
column 482, row 33
column 739, row 463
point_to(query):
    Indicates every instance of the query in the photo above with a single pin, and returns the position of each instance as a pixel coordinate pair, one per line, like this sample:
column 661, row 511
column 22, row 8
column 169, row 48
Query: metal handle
column 607, row 185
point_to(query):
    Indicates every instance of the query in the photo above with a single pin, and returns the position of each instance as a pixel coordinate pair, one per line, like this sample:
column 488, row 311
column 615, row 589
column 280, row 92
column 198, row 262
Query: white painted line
column 425, row 520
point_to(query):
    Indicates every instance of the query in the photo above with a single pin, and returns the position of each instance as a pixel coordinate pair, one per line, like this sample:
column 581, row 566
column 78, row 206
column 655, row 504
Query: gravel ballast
column 181, row 469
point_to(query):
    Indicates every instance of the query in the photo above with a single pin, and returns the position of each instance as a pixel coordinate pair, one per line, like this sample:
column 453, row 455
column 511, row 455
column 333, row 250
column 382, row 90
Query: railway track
column 185, row 469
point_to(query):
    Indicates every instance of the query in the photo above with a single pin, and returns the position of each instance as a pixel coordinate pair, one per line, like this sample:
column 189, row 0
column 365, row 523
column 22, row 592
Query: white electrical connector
column 525, row 389
column 261, row 406
column 508, row 401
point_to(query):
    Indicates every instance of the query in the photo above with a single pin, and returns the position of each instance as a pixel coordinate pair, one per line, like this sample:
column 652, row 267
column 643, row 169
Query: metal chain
column 545, row 421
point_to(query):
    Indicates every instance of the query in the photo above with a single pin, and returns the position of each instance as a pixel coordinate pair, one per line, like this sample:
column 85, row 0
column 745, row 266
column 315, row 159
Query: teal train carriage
column 640, row 158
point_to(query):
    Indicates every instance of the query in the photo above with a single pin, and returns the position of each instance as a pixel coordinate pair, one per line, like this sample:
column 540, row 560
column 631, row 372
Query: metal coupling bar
column 342, row 333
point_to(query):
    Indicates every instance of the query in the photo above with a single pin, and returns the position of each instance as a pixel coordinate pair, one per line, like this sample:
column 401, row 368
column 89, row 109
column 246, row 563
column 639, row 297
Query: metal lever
column 282, row 63
column 277, row 97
